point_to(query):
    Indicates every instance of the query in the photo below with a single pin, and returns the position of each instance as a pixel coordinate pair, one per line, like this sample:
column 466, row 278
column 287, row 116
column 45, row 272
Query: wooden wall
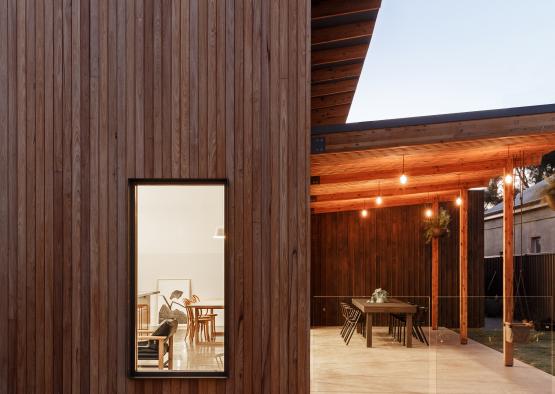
column 352, row 255
column 95, row 92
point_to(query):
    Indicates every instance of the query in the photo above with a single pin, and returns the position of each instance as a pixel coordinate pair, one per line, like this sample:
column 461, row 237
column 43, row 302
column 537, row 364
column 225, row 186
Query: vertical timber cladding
column 353, row 256
column 93, row 93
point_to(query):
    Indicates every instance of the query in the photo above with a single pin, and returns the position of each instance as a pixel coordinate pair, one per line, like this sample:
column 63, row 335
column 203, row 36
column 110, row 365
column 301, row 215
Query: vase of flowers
column 379, row 296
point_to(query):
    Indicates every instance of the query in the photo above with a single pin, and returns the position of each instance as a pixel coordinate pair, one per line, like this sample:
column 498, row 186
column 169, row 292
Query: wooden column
column 435, row 272
column 508, row 300
column 463, row 267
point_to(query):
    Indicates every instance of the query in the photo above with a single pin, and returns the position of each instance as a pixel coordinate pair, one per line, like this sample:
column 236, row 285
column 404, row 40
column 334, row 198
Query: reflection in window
column 179, row 260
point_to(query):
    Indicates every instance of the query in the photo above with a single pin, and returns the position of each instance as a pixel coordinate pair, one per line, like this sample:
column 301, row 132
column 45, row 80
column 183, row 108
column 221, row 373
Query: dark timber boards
column 95, row 92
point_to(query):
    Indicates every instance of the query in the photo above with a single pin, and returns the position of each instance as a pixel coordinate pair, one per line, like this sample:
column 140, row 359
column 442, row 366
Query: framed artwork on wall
column 171, row 303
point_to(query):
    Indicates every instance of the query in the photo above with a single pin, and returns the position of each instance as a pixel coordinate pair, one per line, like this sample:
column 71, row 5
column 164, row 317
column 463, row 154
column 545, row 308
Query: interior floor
column 193, row 356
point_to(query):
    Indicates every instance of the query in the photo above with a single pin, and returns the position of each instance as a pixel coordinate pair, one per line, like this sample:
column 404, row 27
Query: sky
column 443, row 56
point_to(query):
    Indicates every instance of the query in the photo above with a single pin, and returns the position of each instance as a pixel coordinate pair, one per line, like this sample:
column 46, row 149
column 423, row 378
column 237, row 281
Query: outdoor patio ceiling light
column 508, row 179
column 403, row 179
column 379, row 199
column 364, row 213
column 428, row 213
column 458, row 201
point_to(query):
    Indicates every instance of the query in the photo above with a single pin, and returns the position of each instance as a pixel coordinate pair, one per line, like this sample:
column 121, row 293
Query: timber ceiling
column 351, row 168
column 341, row 33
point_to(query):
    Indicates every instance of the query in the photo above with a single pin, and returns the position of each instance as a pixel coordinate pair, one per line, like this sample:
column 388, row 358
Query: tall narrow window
column 177, row 264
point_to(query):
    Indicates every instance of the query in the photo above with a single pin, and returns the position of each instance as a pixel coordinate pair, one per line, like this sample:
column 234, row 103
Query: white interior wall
column 175, row 229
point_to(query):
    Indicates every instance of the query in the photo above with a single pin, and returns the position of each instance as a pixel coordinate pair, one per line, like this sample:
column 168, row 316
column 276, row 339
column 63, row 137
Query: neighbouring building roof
column 530, row 196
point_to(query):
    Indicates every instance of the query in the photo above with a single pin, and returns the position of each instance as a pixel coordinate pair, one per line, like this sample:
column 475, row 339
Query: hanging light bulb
column 379, row 199
column 458, row 201
column 364, row 213
column 508, row 179
column 428, row 213
column 403, row 178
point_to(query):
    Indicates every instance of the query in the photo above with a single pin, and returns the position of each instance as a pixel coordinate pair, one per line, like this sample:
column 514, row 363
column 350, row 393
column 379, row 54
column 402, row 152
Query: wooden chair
column 154, row 345
column 197, row 325
column 143, row 316
column 220, row 360
column 208, row 313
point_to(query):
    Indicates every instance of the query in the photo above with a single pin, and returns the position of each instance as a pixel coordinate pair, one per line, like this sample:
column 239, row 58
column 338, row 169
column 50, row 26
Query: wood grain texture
column 463, row 267
column 508, row 267
column 93, row 93
column 351, row 256
column 437, row 156
column 341, row 34
column 435, row 274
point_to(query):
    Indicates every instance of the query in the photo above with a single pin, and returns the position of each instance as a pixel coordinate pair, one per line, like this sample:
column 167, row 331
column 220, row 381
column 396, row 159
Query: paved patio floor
column 444, row 367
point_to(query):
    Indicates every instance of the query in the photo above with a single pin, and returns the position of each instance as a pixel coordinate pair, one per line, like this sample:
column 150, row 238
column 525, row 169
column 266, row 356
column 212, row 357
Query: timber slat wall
column 352, row 255
column 537, row 288
column 95, row 92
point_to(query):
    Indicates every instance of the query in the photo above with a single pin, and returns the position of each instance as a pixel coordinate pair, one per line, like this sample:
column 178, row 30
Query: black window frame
column 133, row 373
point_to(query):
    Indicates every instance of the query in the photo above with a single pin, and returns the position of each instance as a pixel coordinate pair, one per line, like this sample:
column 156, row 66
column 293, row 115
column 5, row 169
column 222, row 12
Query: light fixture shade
column 379, row 200
column 403, row 179
column 219, row 234
column 364, row 213
column 458, row 201
column 428, row 213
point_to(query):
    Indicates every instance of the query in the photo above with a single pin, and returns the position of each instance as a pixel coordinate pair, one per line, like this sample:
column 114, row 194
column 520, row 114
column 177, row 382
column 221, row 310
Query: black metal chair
column 346, row 311
column 399, row 326
column 418, row 321
column 352, row 322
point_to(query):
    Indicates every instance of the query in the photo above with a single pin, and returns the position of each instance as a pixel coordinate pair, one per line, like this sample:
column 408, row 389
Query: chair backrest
column 189, row 309
column 421, row 312
column 195, row 298
column 355, row 314
column 173, row 328
column 166, row 329
column 344, row 309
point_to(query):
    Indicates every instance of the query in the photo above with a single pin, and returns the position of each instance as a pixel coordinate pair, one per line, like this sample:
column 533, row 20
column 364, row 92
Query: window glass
column 178, row 265
column 535, row 245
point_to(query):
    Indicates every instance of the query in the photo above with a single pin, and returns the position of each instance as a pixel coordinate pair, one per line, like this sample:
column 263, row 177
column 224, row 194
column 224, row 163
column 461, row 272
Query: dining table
column 392, row 305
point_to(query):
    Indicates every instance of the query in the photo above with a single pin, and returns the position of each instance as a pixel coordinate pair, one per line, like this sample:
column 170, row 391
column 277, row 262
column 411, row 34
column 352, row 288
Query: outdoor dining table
column 392, row 305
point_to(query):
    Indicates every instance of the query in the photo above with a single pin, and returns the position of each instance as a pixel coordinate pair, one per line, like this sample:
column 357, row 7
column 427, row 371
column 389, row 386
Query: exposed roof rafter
column 341, row 34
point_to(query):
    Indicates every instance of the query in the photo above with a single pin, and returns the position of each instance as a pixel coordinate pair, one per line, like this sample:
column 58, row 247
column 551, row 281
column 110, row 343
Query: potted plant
column 548, row 194
column 519, row 332
column 437, row 226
